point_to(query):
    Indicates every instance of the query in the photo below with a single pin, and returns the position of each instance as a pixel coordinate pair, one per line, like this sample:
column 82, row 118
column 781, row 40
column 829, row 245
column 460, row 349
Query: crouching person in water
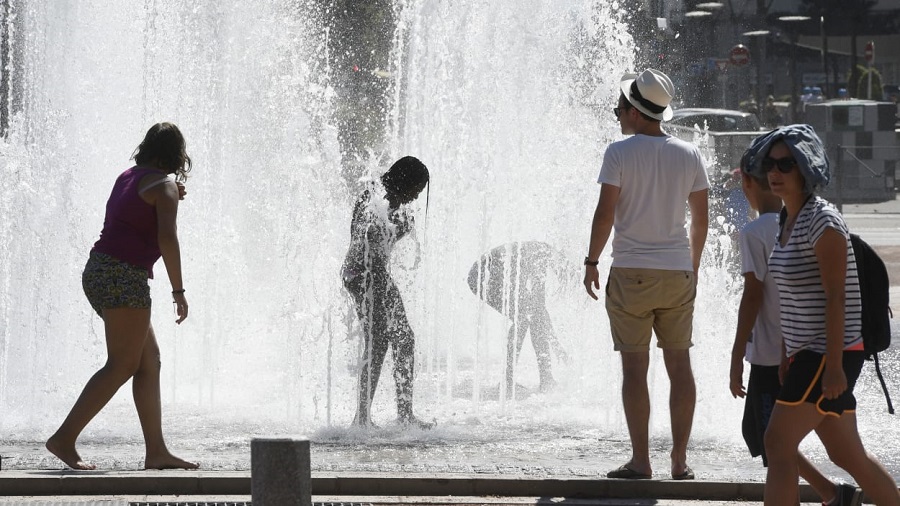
column 380, row 219
column 512, row 279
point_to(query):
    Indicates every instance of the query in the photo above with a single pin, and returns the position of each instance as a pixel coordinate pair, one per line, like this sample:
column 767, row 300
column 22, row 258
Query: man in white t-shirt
column 646, row 181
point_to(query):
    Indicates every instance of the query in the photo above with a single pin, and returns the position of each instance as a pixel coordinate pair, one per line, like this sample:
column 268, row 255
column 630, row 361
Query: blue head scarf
column 805, row 146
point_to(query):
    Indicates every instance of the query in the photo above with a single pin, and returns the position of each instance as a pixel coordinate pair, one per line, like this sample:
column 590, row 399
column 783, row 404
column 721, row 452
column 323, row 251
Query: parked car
column 891, row 93
column 722, row 136
column 716, row 120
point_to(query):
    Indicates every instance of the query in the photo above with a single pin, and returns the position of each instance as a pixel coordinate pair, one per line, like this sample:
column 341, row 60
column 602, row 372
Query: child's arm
column 751, row 301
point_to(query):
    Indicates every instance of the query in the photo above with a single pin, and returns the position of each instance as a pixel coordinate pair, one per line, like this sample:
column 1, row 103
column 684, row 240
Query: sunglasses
column 784, row 165
column 619, row 110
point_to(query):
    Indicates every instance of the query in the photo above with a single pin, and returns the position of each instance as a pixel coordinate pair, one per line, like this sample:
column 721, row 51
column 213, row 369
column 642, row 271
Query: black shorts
column 804, row 382
column 762, row 391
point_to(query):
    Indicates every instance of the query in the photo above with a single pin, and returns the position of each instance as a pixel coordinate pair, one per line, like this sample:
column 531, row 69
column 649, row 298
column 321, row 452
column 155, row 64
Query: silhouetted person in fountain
column 380, row 219
column 512, row 279
column 139, row 228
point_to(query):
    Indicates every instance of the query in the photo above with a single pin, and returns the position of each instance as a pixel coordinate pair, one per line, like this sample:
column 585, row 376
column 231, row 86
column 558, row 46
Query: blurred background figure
column 771, row 117
column 512, row 279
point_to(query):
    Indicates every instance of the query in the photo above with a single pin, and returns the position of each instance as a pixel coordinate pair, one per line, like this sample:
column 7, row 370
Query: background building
column 787, row 45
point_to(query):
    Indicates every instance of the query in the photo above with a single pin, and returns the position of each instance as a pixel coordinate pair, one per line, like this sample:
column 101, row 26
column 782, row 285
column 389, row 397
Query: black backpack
column 874, row 290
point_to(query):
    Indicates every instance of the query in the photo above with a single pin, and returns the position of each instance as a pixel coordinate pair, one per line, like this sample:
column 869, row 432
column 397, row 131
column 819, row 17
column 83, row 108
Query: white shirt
column 655, row 176
column 757, row 240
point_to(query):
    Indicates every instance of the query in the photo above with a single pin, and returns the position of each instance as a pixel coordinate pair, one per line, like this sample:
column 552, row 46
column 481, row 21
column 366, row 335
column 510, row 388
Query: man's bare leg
column 636, row 401
column 682, row 399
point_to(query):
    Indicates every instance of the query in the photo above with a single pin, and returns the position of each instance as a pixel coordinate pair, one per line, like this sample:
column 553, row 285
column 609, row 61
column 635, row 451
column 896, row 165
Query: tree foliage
column 860, row 87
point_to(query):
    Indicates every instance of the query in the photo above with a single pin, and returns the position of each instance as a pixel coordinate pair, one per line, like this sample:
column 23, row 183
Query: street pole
column 794, row 37
column 824, row 54
column 795, row 101
column 870, row 59
column 869, row 85
column 758, row 61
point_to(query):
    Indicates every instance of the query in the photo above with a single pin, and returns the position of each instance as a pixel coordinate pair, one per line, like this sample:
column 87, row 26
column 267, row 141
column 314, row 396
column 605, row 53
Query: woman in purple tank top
column 139, row 227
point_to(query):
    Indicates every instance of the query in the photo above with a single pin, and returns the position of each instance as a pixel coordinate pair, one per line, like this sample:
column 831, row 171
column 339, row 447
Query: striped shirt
column 796, row 271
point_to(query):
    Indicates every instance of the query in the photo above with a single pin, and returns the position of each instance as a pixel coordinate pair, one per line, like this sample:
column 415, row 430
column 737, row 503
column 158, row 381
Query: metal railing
column 855, row 180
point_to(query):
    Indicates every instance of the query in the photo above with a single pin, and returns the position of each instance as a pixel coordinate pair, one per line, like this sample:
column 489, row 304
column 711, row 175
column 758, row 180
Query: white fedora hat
column 650, row 92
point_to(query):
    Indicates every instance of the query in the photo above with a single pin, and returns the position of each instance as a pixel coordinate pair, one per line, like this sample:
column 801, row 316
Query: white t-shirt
column 757, row 241
column 795, row 268
column 655, row 176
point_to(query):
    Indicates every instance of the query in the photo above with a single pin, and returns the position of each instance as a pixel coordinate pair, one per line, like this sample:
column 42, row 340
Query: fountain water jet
column 500, row 115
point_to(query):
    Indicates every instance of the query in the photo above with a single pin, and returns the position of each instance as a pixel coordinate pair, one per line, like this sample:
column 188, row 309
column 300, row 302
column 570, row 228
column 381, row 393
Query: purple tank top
column 130, row 228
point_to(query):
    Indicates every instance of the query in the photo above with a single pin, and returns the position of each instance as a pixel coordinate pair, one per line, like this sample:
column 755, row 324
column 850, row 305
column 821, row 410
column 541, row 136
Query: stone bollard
column 280, row 472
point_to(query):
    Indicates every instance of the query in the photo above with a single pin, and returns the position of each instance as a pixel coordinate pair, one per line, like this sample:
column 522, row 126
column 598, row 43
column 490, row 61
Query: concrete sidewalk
column 368, row 501
column 205, row 487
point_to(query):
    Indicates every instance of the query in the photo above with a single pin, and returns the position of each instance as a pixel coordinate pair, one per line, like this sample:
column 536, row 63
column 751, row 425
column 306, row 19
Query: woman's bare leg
column 840, row 436
column 126, row 331
column 818, row 481
column 146, row 391
column 787, row 428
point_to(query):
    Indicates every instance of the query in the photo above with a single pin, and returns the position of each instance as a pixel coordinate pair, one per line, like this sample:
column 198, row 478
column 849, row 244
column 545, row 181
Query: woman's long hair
column 164, row 144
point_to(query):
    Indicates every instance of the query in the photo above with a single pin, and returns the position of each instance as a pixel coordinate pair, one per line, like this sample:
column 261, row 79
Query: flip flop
column 688, row 474
column 626, row 473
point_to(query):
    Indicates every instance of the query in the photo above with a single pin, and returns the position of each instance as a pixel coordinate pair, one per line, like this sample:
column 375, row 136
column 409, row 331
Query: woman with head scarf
column 815, row 269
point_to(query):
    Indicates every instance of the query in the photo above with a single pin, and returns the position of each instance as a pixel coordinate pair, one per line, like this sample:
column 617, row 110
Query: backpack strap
column 887, row 396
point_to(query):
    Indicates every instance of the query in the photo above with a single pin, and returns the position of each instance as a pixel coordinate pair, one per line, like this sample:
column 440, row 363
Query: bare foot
column 68, row 454
column 413, row 421
column 363, row 422
column 168, row 461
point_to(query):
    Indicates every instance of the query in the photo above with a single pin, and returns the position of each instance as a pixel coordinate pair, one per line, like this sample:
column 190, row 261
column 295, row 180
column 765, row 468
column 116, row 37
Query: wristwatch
column 587, row 261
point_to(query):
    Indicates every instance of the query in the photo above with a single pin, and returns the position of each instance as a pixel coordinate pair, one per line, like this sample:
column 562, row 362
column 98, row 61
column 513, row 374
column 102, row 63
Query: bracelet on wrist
column 177, row 291
column 588, row 261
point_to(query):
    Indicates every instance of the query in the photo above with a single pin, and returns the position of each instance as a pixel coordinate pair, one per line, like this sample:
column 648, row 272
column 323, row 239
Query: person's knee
column 678, row 365
column 778, row 446
column 841, row 459
column 122, row 369
column 851, row 458
column 771, row 442
column 634, row 374
column 151, row 364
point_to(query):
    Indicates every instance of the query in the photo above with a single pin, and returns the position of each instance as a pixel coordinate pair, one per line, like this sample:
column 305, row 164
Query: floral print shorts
column 111, row 283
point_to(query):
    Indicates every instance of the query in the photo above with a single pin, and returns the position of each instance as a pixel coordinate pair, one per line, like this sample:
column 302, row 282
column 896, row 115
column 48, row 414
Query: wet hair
column 406, row 173
column 165, row 145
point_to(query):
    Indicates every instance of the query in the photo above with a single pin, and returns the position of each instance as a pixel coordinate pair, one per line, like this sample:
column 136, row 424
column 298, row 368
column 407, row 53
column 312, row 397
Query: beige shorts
column 638, row 300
